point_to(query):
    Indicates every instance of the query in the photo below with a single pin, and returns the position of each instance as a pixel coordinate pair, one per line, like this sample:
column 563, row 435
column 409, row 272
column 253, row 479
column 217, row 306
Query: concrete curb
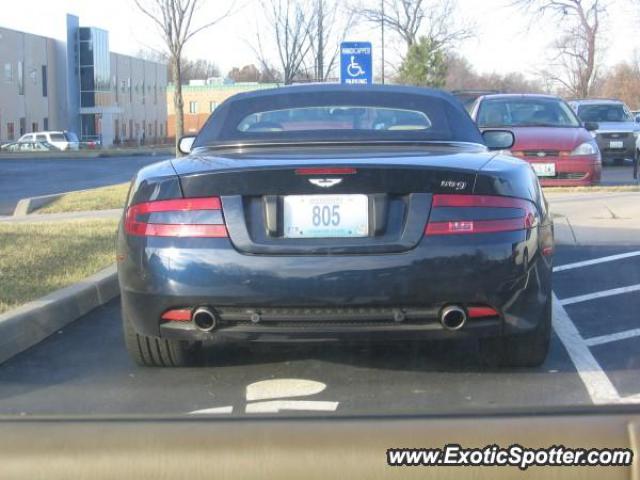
column 29, row 204
column 162, row 151
column 29, row 324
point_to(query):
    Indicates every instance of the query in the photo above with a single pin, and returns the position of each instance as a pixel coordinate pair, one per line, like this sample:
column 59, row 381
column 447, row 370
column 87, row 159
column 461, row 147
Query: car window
column 605, row 112
column 522, row 112
column 57, row 137
column 41, row 137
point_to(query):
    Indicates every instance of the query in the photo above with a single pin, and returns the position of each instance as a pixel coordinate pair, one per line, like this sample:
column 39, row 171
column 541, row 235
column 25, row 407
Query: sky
column 505, row 40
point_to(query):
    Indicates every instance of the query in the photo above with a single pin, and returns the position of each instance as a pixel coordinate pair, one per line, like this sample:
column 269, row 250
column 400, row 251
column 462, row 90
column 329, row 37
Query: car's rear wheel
column 525, row 350
column 150, row 351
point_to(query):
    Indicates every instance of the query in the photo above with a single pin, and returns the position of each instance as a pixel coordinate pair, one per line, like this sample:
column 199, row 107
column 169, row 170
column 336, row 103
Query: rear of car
column 618, row 130
column 64, row 140
column 336, row 213
column 548, row 135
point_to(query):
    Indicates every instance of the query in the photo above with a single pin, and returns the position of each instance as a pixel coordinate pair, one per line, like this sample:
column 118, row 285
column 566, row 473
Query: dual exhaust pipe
column 452, row 317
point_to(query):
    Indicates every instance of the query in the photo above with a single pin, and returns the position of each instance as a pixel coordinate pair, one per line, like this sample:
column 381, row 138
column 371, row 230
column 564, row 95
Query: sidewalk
column 98, row 153
column 598, row 218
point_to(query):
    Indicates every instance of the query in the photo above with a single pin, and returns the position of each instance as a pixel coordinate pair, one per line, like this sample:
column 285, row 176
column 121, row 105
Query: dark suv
column 617, row 128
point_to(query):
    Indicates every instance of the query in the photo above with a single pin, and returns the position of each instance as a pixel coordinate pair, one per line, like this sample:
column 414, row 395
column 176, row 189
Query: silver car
column 618, row 131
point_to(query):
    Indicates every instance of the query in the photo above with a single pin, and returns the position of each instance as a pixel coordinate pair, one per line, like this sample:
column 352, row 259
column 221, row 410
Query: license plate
column 544, row 169
column 616, row 144
column 326, row 216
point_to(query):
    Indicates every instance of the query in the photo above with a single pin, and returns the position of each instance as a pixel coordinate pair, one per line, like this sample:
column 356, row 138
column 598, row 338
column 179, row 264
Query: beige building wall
column 138, row 86
column 23, row 107
column 140, row 100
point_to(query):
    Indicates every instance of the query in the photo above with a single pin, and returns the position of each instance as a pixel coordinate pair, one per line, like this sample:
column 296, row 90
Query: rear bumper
column 573, row 172
column 505, row 271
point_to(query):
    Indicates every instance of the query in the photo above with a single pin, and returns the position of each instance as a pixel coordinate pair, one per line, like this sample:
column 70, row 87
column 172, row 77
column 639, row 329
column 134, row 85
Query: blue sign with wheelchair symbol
column 355, row 63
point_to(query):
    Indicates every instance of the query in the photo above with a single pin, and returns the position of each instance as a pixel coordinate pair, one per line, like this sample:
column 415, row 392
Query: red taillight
column 177, row 315
column 184, row 227
column 479, row 312
column 490, row 212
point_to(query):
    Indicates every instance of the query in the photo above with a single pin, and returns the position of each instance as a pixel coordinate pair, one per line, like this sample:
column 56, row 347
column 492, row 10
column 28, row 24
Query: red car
column 549, row 135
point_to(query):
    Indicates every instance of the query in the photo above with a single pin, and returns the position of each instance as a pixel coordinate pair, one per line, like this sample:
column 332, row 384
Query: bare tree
column 410, row 19
column 176, row 20
column 575, row 63
column 332, row 26
column 289, row 25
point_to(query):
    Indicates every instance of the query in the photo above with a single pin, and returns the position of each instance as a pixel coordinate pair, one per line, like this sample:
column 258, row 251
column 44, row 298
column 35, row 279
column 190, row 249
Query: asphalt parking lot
column 29, row 177
column 595, row 358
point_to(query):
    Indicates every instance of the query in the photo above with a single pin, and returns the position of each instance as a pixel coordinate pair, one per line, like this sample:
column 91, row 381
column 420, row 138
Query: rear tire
column 150, row 351
column 526, row 350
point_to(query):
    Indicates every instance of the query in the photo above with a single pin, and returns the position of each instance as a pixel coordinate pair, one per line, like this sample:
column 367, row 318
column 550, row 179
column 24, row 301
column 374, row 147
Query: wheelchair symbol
column 354, row 69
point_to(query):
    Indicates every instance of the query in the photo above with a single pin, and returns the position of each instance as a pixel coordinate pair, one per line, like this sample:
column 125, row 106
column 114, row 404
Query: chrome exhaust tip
column 453, row 317
column 204, row 319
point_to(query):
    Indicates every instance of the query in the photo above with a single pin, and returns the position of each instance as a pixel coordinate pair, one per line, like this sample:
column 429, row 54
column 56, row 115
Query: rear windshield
column 525, row 112
column 293, row 114
column 605, row 112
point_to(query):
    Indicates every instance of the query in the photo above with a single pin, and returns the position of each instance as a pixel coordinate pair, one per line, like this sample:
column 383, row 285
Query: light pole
column 382, row 38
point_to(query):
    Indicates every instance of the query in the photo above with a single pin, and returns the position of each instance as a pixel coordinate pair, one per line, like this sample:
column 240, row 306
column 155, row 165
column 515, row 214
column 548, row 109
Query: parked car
column 329, row 212
column 618, row 130
column 27, row 147
column 60, row 140
column 548, row 134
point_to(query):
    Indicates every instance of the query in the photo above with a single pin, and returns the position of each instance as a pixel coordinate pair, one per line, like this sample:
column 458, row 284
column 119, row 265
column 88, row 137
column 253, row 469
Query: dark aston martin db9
column 337, row 212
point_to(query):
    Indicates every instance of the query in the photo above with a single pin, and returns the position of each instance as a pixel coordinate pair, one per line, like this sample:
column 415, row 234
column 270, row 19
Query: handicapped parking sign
column 355, row 63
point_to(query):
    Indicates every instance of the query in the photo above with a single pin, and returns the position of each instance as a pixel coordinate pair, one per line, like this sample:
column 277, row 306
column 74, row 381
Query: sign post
column 355, row 63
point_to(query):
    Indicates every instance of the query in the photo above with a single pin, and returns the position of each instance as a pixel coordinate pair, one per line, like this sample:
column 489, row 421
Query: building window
column 8, row 72
column 20, row 78
column 130, row 128
column 23, row 126
column 44, row 81
column 193, row 107
column 11, row 131
column 45, row 123
column 34, row 127
column 212, row 106
column 124, row 130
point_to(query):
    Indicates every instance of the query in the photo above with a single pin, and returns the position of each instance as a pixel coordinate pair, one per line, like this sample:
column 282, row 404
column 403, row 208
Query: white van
column 60, row 140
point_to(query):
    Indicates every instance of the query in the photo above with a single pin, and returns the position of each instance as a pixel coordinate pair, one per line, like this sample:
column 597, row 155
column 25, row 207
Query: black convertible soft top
column 449, row 120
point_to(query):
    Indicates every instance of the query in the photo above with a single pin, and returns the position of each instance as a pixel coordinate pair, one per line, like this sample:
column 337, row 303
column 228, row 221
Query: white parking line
column 595, row 380
column 614, row 337
column 602, row 294
column 595, row 261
